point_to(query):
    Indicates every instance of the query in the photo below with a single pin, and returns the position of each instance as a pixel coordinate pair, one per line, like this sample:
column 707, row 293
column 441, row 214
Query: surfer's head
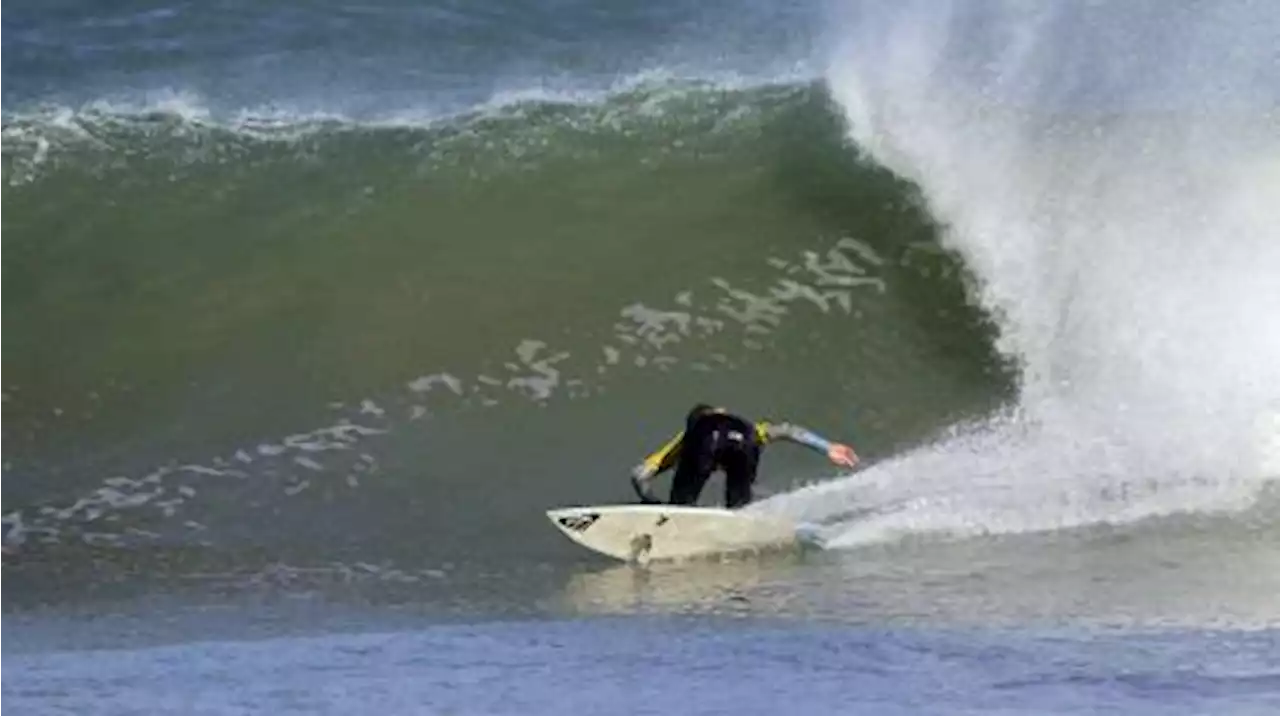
column 701, row 409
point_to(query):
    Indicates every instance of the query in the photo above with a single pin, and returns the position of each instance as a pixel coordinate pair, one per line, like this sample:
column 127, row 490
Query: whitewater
column 1115, row 198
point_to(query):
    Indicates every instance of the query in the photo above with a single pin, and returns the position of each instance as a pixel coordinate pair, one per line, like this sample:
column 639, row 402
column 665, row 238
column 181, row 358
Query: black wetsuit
column 716, row 439
column 711, row 441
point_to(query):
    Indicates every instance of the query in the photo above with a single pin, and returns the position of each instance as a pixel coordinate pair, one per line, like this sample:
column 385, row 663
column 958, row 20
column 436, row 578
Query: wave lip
column 192, row 127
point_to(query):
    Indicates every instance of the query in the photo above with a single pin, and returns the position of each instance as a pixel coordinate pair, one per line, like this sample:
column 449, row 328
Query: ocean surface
column 311, row 310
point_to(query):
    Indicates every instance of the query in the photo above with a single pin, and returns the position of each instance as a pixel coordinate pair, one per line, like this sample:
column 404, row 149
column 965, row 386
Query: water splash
column 1110, row 175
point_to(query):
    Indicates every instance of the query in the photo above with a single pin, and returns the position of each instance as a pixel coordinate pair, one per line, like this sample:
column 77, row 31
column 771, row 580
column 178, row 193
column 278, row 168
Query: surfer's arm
column 770, row 432
column 662, row 459
column 836, row 452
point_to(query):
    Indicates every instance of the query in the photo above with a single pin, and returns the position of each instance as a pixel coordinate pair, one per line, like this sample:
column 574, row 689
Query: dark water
column 311, row 311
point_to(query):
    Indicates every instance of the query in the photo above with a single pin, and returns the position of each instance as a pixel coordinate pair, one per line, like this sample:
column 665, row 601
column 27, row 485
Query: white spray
column 1110, row 173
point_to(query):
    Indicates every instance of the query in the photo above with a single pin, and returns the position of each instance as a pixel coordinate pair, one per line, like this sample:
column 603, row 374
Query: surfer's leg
column 695, row 466
column 737, row 480
column 739, row 474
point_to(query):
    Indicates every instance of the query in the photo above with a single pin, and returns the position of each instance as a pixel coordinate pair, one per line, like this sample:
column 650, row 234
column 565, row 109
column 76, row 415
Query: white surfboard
column 642, row 533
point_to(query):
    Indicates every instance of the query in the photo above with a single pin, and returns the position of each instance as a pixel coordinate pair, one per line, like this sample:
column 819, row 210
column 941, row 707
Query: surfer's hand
column 643, row 490
column 842, row 455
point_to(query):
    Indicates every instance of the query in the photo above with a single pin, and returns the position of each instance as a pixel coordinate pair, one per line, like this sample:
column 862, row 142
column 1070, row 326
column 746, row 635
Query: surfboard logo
column 579, row 523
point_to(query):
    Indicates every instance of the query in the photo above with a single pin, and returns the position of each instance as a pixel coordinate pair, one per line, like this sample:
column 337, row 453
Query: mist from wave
column 1108, row 173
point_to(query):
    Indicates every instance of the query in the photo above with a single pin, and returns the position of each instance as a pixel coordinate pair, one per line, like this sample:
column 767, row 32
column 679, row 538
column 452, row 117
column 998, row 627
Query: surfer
column 716, row 439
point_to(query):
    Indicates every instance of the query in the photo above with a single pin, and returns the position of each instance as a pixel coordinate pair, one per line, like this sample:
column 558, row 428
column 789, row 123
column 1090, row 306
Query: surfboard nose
column 573, row 520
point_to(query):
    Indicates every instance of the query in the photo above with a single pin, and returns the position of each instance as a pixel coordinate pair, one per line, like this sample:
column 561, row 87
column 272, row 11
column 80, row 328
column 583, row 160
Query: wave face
column 1109, row 174
column 287, row 288
column 297, row 336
